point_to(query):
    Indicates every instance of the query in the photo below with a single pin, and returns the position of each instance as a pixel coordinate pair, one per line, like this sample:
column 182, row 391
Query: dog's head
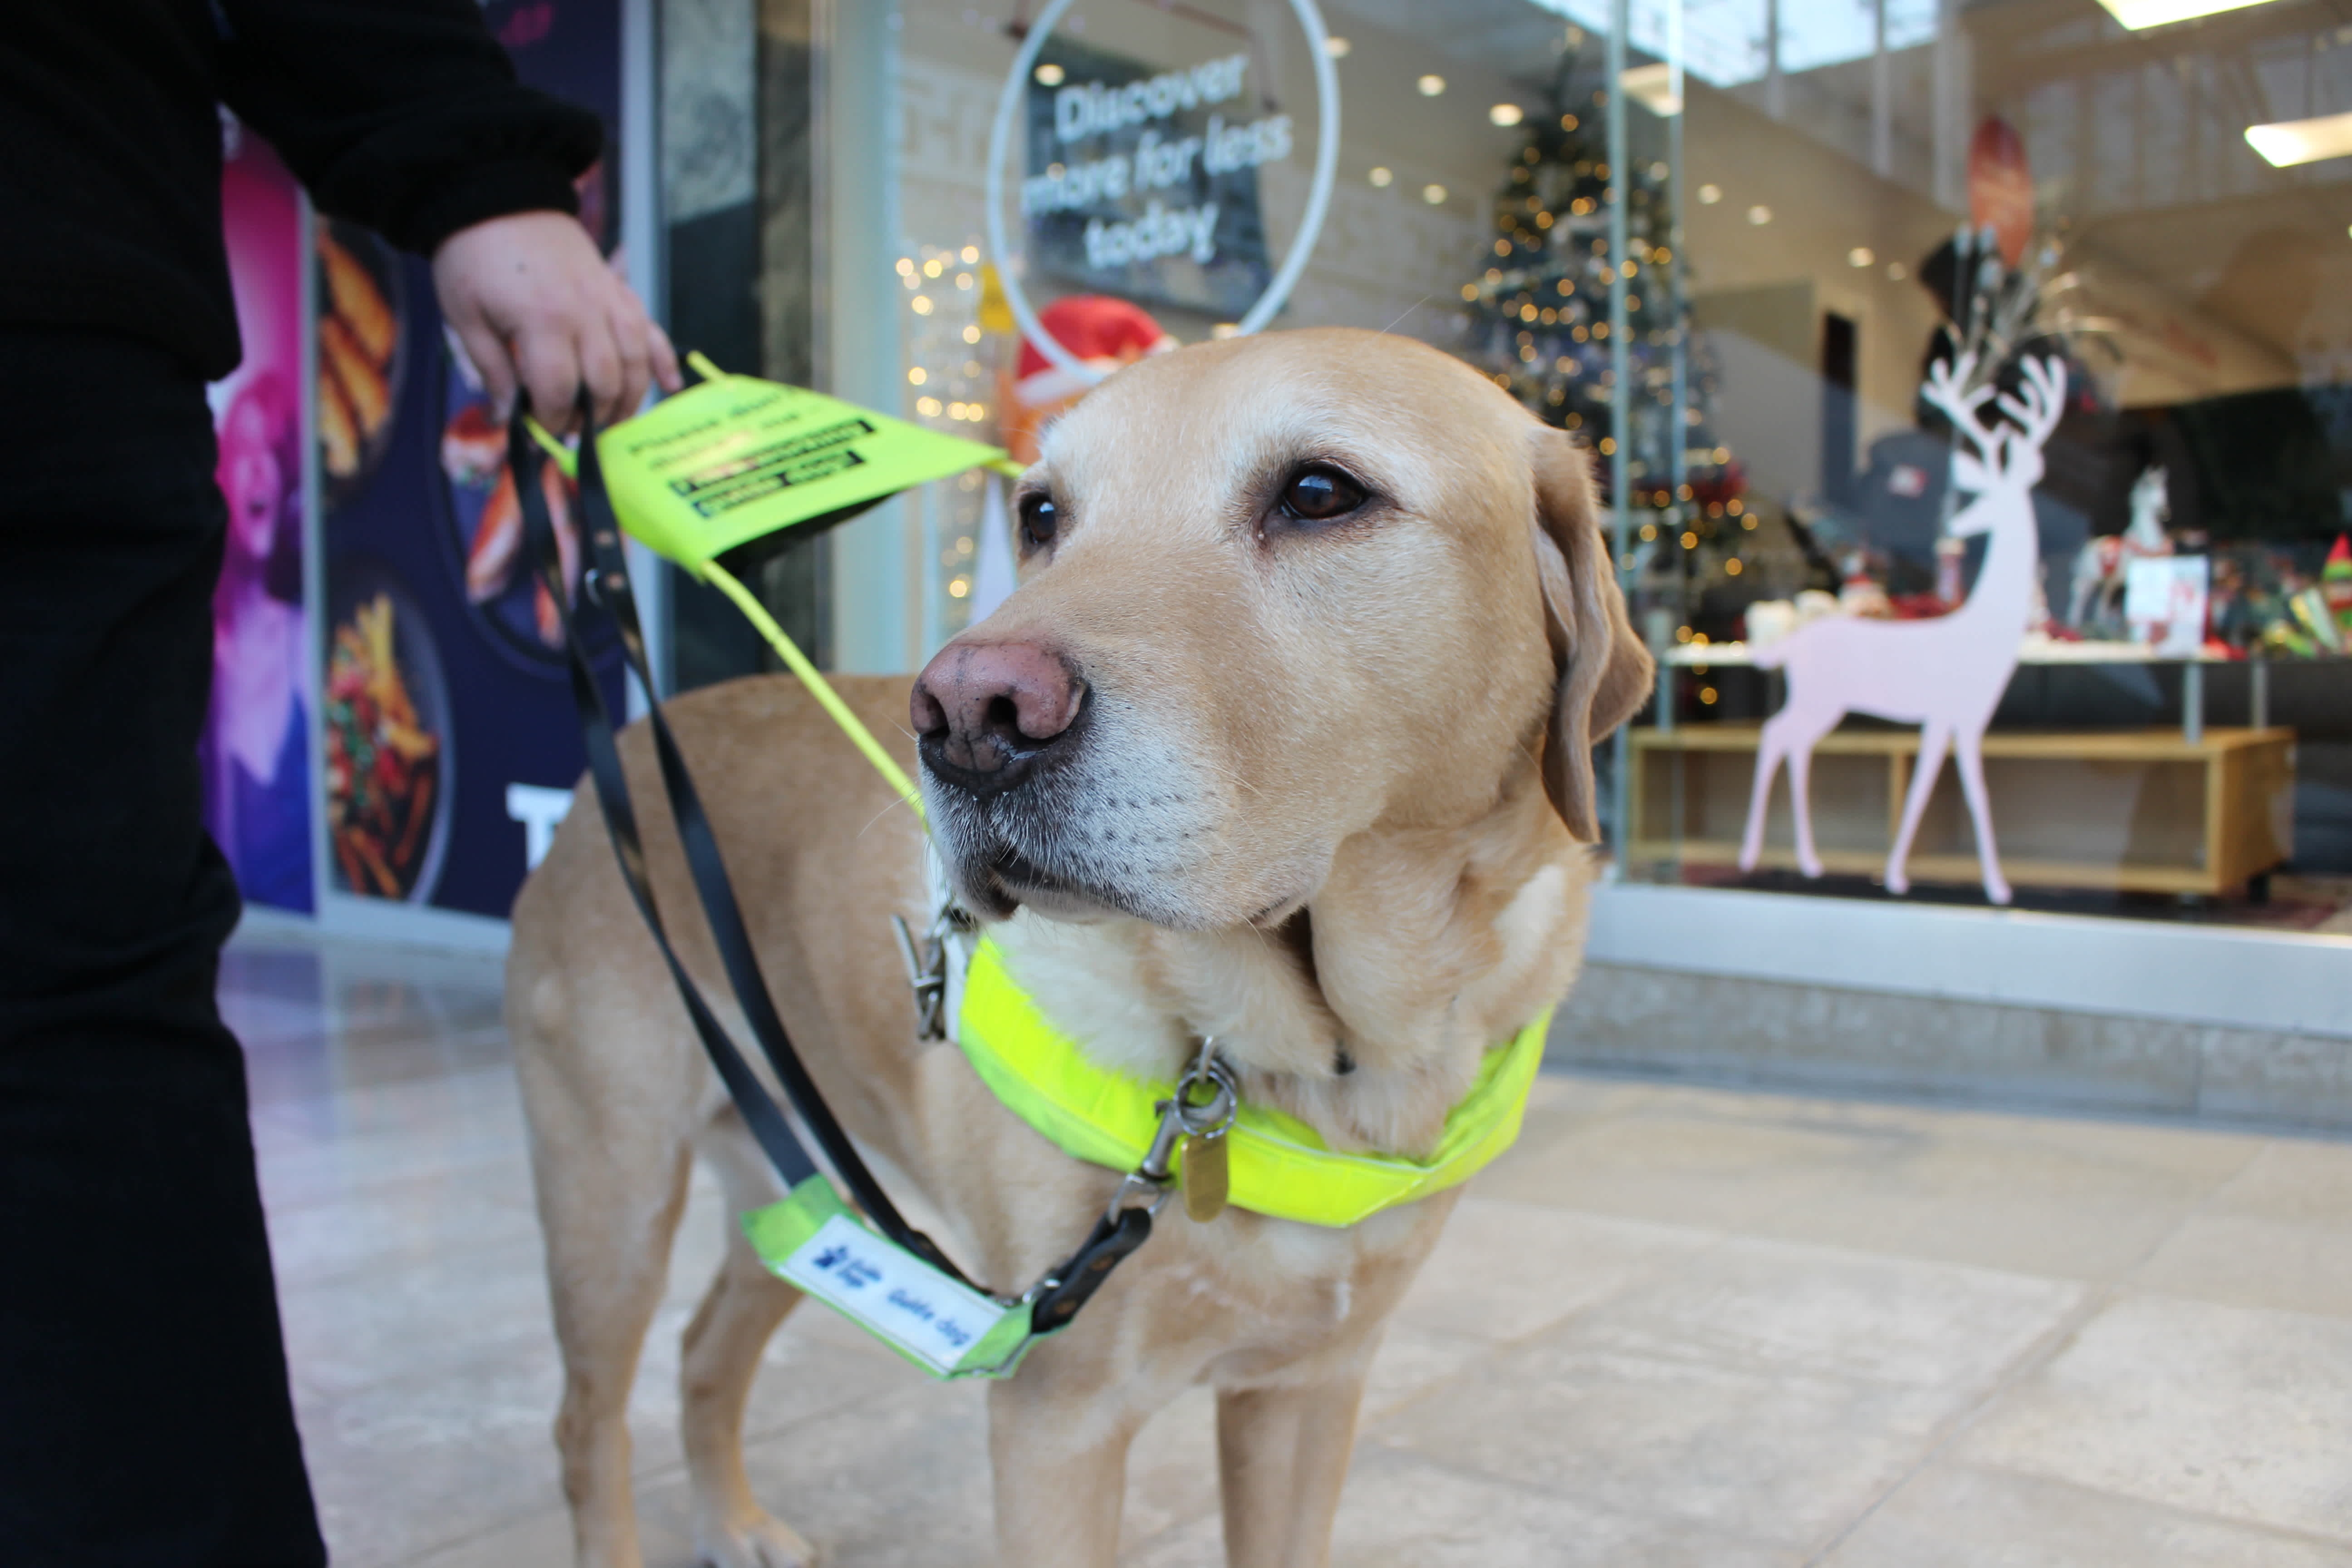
column 1275, row 592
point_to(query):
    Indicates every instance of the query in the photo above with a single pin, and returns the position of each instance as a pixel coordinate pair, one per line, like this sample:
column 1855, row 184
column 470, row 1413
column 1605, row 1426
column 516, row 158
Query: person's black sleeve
column 402, row 115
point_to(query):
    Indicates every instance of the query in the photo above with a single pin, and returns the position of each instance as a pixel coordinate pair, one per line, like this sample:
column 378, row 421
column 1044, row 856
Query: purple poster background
column 444, row 685
column 256, row 751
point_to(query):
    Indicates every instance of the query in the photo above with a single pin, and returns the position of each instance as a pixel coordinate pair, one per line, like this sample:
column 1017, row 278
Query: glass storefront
column 2040, row 184
column 1967, row 378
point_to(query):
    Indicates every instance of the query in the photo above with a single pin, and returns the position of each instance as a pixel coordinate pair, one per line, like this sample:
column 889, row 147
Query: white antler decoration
column 2037, row 407
column 1945, row 675
column 1947, row 387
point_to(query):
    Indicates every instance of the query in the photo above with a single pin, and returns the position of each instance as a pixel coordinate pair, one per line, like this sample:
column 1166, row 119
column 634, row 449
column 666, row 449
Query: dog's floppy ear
column 1604, row 671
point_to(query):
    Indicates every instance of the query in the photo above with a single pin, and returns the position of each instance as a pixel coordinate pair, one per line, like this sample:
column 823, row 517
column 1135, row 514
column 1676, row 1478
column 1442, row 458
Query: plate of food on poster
column 501, row 583
column 483, row 513
column 390, row 767
column 362, row 315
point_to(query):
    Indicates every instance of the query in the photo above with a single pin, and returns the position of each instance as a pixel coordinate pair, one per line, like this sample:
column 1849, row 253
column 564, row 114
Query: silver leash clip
column 926, row 974
column 927, row 961
column 1181, row 1117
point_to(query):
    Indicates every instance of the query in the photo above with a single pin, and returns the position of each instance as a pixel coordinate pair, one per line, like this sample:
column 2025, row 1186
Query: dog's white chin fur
column 1069, row 908
column 1175, row 908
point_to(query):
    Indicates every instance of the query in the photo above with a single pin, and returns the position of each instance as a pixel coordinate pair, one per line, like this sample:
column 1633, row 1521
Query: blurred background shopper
column 145, row 1413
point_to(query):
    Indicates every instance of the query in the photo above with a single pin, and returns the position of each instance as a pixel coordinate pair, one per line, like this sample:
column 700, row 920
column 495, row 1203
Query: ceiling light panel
column 2138, row 13
column 2292, row 141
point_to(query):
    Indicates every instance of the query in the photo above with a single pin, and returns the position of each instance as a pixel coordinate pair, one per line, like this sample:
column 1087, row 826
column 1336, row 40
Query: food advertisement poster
column 445, row 692
column 255, row 754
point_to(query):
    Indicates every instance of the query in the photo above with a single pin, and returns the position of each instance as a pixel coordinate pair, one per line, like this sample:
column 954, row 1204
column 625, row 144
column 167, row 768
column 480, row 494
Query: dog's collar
column 1279, row 1165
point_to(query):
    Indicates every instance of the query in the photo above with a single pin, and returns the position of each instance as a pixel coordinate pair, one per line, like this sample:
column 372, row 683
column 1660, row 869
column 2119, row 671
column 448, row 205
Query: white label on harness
column 904, row 1300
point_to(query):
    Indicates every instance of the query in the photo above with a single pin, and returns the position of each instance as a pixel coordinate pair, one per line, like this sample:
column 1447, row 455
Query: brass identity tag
column 1204, row 1176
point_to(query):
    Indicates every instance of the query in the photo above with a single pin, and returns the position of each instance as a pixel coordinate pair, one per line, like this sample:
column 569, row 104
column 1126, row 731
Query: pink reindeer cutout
column 1945, row 674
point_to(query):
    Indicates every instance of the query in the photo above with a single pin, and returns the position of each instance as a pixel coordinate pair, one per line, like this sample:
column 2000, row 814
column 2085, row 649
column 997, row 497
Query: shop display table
column 2131, row 810
column 2032, row 650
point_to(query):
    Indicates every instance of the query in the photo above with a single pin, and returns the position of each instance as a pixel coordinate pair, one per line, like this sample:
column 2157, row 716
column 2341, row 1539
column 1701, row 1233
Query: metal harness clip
column 927, row 967
column 1180, row 1118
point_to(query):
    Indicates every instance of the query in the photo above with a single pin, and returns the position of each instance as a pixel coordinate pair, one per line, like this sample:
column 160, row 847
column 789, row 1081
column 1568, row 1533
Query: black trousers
column 144, row 1417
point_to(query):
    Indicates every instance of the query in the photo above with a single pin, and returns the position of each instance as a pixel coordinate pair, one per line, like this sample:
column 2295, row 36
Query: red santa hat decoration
column 1103, row 332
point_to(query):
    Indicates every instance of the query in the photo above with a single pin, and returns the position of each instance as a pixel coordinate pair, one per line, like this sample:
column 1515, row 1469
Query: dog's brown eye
column 1321, row 493
column 1040, row 519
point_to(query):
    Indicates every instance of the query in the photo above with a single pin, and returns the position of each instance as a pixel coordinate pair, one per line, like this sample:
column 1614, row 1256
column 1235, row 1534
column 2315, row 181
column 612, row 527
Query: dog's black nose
column 984, row 713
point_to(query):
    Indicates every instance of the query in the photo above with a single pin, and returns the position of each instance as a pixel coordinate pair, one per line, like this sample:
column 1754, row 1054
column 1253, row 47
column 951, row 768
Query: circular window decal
column 1302, row 245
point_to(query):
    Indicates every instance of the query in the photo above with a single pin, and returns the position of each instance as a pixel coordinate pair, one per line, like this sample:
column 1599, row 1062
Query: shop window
column 739, row 81
column 1889, row 187
column 1729, row 253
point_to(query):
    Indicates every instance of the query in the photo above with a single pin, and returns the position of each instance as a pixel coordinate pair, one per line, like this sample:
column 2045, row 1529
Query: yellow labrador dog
column 1286, row 739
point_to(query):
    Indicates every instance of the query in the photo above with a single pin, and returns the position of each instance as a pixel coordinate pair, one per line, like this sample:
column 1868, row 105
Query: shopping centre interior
column 1942, row 1159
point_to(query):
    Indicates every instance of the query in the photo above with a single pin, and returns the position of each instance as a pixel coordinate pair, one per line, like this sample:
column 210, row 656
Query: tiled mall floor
column 1675, row 1326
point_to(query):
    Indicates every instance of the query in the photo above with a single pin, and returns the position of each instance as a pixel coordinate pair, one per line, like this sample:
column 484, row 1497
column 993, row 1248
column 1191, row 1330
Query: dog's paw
column 761, row 1541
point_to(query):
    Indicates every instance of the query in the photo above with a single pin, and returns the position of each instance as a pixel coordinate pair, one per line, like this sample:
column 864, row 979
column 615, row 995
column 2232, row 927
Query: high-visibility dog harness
column 1280, row 1167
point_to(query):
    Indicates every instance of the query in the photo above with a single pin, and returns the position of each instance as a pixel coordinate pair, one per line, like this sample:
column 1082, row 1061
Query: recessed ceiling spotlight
column 2292, row 141
column 1897, row 272
column 1860, row 256
column 1049, row 75
column 1433, row 195
column 1380, row 177
column 1337, row 47
column 1709, row 194
column 1431, row 86
column 1760, row 215
column 1506, row 114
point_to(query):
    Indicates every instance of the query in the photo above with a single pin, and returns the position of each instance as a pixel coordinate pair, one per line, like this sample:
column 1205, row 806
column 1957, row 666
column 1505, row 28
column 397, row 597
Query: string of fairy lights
column 952, row 362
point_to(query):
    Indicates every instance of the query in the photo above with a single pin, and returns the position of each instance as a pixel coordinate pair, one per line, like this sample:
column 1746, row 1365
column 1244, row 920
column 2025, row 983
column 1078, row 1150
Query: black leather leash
column 608, row 585
column 1066, row 1288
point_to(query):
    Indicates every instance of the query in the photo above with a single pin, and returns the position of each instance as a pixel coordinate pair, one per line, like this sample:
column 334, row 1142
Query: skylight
column 1723, row 40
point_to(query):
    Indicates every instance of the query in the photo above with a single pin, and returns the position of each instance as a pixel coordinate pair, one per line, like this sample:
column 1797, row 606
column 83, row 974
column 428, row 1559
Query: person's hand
column 535, row 305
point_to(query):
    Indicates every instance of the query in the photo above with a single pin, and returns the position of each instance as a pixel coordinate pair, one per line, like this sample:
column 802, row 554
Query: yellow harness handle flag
column 734, row 458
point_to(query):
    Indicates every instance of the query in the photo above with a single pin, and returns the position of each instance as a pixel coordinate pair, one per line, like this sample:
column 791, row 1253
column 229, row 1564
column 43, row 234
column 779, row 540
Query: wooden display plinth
column 2137, row 811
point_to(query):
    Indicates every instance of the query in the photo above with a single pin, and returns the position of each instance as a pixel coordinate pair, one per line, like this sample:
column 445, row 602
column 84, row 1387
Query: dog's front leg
column 1282, row 1457
column 722, row 1357
column 1058, row 1445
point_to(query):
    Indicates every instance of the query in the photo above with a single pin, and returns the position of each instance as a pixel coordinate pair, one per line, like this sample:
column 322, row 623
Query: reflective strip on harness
column 1280, row 1167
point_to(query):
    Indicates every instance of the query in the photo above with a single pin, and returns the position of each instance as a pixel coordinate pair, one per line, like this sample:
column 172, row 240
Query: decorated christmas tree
column 1539, row 323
